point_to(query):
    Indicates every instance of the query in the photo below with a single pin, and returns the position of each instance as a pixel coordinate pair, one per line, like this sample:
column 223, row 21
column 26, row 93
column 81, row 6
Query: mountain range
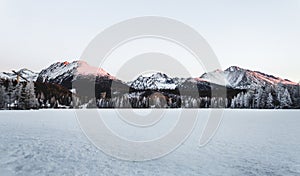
column 235, row 77
column 87, row 82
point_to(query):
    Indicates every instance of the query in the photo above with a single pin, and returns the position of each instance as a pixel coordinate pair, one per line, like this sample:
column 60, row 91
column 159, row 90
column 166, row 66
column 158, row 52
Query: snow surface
column 248, row 142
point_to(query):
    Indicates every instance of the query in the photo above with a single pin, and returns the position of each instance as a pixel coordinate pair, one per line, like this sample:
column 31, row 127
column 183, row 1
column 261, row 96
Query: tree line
column 35, row 95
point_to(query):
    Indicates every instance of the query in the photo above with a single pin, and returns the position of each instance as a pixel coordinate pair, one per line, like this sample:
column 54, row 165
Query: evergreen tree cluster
column 16, row 95
column 276, row 97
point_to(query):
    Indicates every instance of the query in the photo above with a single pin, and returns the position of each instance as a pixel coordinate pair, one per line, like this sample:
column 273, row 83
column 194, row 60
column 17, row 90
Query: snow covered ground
column 248, row 142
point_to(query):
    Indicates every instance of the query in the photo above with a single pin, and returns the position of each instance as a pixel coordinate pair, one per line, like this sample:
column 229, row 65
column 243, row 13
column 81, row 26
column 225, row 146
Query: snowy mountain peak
column 85, row 69
column 155, row 81
column 237, row 77
column 58, row 71
column 234, row 68
column 160, row 75
column 25, row 70
column 61, row 71
column 25, row 73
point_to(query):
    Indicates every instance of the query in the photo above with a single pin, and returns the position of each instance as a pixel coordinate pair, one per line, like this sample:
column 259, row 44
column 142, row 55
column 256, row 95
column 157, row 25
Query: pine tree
column 264, row 97
column 33, row 99
column 279, row 94
column 42, row 100
column 30, row 97
column 270, row 103
column 195, row 103
column 247, row 97
column 11, row 95
column 286, row 101
column 18, row 95
column 258, row 98
column 213, row 102
column 240, row 100
column 233, row 102
column 2, row 94
column 22, row 98
column 226, row 102
column 5, row 98
column 298, row 89
column 297, row 99
column 222, row 102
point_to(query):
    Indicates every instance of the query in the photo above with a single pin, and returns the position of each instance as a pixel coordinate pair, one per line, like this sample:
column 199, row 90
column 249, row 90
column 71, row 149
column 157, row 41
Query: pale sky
column 260, row 35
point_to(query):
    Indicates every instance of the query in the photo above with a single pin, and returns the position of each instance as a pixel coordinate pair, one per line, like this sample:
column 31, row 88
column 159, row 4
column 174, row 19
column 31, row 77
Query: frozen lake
column 248, row 142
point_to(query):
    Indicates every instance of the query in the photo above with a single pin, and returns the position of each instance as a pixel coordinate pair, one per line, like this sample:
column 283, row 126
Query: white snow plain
column 248, row 142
